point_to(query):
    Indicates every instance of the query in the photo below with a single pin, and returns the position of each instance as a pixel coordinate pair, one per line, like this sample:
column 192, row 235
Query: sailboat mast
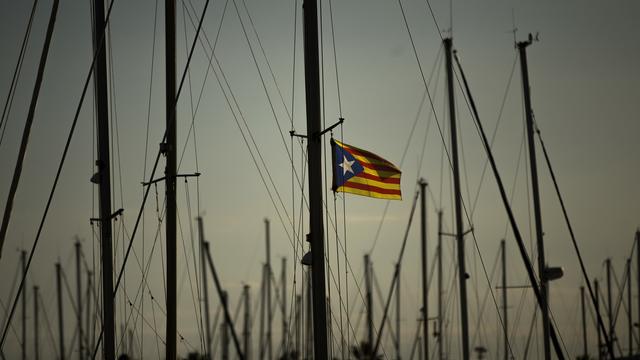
column 79, row 301
column 314, row 152
column 23, row 261
column 369, row 299
column 462, row 273
column 104, row 178
column 203, row 269
column 398, row 313
column 505, row 323
column 170, row 176
column 225, row 329
column 585, row 350
column 544, row 287
column 597, row 288
column 246, row 330
column 284, row 306
column 36, row 327
column 629, row 317
column 268, row 287
column 609, row 301
column 60, row 315
column 440, row 285
column 423, row 256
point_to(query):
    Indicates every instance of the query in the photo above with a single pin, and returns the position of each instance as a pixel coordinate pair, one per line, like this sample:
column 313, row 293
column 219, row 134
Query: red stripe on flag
column 380, row 167
column 371, row 188
column 365, row 153
column 365, row 175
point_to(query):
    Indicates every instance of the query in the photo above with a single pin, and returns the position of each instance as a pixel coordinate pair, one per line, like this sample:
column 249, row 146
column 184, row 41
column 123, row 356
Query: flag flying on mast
column 361, row 172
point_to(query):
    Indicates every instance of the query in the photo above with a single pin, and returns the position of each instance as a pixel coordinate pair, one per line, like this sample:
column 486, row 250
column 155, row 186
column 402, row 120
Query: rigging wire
column 6, row 110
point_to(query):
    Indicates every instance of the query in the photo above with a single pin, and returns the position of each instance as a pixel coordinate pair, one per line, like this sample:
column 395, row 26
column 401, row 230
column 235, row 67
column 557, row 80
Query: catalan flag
column 363, row 173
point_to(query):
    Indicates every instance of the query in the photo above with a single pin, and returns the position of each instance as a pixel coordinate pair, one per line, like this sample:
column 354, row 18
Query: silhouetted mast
column 284, row 306
column 203, row 270
column 246, row 330
column 60, row 314
column 462, row 272
column 423, row 257
column 544, row 287
column 597, row 287
column 268, row 288
column 23, row 261
column 440, row 283
column 505, row 323
column 79, row 300
column 585, row 350
column 170, row 175
column 36, row 327
column 103, row 178
column 369, row 299
column 314, row 157
column 398, row 313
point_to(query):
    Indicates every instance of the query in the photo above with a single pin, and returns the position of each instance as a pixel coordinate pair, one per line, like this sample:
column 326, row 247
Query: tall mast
column 60, row 315
column 246, row 330
column 262, row 301
column 314, row 153
column 23, row 261
column 284, row 307
column 585, row 350
column 104, row 177
column 268, row 284
column 90, row 327
column 505, row 327
column 369, row 299
column 398, row 313
column 440, row 285
column 637, row 239
column 423, row 256
column 36, row 327
column 79, row 301
column 544, row 287
column 629, row 317
column 298, row 305
column 597, row 288
column 207, row 347
column 170, row 175
column 462, row 272
column 609, row 301
column 225, row 329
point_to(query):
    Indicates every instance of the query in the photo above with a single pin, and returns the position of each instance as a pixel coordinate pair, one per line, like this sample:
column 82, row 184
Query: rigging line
column 413, row 126
column 395, row 275
column 495, row 131
column 569, row 227
column 335, row 58
column 484, row 300
column 342, row 340
column 195, row 263
column 17, row 172
column 6, row 110
column 48, row 325
column 12, row 289
column 188, row 197
column 392, row 333
column 204, row 82
column 55, row 183
column 289, row 115
column 264, row 86
column 214, row 57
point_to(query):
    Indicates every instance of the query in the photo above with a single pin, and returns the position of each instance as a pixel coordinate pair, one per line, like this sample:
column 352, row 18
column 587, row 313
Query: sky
column 583, row 73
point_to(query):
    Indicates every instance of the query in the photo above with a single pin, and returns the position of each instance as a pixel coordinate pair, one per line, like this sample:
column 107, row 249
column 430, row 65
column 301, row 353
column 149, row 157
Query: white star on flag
column 346, row 165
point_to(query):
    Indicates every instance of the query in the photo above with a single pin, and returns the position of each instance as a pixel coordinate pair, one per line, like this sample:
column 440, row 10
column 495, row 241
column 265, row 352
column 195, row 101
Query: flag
column 361, row 172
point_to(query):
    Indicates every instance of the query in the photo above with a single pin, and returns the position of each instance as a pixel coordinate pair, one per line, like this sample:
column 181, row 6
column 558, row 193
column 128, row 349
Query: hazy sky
column 584, row 80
